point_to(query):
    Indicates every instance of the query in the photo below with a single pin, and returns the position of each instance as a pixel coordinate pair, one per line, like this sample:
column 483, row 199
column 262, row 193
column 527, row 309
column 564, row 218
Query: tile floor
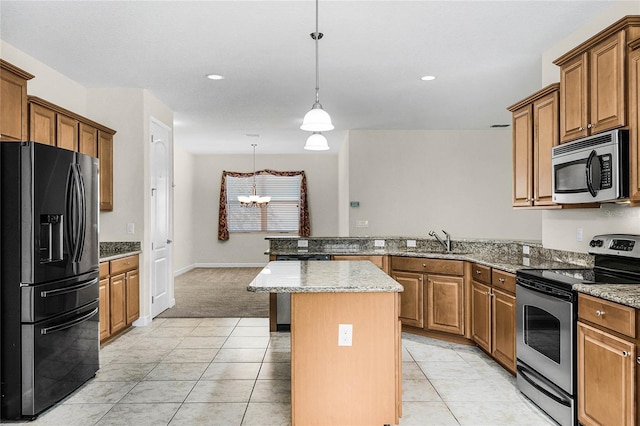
column 232, row 371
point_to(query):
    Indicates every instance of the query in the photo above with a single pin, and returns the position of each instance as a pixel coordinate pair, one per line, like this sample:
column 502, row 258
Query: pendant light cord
column 317, row 68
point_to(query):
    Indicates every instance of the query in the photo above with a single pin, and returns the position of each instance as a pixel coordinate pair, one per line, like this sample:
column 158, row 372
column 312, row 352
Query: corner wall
column 410, row 182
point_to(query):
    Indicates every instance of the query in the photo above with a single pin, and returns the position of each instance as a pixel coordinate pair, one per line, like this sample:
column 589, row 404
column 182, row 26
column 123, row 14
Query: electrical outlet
column 362, row 223
column 411, row 243
column 578, row 234
column 303, row 243
column 378, row 243
column 345, row 334
column 526, row 250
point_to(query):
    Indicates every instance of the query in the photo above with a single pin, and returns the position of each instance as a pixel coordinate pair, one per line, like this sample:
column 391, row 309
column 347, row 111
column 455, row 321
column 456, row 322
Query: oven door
column 545, row 333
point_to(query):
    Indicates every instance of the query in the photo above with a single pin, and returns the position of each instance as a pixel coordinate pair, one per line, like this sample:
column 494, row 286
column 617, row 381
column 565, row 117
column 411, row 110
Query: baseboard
column 142, row 321
column 230, row 265
column 183, row 270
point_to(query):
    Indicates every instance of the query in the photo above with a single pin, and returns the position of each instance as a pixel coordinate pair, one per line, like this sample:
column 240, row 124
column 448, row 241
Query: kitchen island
column 346, row 353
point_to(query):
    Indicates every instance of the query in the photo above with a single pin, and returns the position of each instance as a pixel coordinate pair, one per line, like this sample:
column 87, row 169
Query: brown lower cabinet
column 607, row 350
column 119, row 295
column 493, row 314
column 433, row 297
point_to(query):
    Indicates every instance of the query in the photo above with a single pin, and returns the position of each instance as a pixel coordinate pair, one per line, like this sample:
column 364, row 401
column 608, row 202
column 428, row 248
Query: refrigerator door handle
column 82, row 214
column 71, row 289
column 68, row 324
column 76, row 210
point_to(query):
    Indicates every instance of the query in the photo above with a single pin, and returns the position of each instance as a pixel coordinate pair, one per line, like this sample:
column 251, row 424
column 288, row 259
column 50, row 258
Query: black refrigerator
column 49, row 284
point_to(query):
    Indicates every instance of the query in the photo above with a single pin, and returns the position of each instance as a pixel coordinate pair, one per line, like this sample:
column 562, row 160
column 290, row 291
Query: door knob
column 169, row 241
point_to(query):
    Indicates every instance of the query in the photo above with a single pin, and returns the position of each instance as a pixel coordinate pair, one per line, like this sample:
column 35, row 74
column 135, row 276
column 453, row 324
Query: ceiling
column 485, row 55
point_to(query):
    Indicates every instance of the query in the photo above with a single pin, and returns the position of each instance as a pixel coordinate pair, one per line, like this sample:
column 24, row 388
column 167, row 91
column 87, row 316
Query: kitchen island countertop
column 323, row 277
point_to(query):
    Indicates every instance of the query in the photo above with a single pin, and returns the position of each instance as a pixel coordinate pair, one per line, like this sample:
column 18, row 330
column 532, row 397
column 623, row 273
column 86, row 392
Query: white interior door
column 161, row 275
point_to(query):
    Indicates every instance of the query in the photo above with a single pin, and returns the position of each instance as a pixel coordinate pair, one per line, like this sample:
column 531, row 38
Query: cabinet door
column 444, row 306
column 607, row 88
column 67, row 133
column 522, row 152
column 634, row 124
column 104, row 309
column 546, row 135
column 42, row 124
column 13, row 108
column 605, row 378
column 411, row 298
column 117, row 299
column 105, row 155
column 481, row 315
column 503, row 329
column 88, row 140
column 133, row 296
column 573, row 99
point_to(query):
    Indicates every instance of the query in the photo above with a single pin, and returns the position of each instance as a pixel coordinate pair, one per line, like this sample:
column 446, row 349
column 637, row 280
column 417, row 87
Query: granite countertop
column 626, row 294
column 323, row 277
column 112, row 250
column 495, row 260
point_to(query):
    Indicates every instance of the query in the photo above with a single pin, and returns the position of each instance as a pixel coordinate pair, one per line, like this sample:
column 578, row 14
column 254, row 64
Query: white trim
column 142, row 321
column 184, row 270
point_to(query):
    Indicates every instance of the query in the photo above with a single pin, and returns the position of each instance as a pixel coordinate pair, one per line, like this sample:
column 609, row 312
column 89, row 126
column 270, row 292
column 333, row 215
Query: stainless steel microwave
column 591, row 169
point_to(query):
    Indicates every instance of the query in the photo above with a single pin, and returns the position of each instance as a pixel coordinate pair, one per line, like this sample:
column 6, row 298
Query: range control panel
column 616, row 245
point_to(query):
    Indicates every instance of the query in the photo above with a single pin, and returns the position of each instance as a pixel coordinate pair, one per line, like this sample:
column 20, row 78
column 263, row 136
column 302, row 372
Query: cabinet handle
column 590, row 126
column 581, row 128
column 626, row 353
column 599, row 313
column 638, row 360
column 501, row 280
column 424, row 265
column 487, row 293
column 420, row 279
column 478, row 271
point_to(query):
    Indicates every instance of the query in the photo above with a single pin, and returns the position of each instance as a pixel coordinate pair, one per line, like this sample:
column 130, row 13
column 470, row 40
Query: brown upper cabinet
column 634, row 120
column 13, row 102
column 53, row 125
column 535, row 132
column 593, row 87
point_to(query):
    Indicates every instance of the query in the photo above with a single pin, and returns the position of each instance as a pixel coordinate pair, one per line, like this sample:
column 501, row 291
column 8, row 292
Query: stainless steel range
column 546, row 319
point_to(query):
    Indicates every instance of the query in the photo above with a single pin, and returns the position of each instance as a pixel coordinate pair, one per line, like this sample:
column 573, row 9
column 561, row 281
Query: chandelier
column 317, row 120
column 254, row 200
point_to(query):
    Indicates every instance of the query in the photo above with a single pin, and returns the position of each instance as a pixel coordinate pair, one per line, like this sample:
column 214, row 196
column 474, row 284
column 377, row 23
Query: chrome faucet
column 445, row 243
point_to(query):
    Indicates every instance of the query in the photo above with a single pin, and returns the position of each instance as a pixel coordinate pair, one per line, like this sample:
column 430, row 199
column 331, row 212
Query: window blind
column 283, row 212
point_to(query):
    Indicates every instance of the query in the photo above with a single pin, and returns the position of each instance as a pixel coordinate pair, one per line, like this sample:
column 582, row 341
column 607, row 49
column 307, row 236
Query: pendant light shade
column 316, row 142
column 254, row 200
column 317, row 120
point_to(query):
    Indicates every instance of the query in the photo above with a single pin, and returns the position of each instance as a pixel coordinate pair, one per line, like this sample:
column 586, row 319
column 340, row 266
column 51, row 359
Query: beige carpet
column 217, row 292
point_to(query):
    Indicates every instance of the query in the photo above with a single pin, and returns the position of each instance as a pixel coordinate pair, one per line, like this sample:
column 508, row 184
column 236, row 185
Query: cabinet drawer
column 104, row 269
column 124, row 264
column 481, row 273
column 503, row 280
column 607, row 314
column 433, row 266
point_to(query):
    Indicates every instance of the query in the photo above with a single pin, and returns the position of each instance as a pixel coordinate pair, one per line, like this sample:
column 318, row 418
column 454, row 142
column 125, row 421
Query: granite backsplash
column 114, row 248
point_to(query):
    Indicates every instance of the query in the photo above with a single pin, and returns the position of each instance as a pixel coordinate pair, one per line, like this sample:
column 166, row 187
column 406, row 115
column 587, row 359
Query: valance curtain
column 223, row 229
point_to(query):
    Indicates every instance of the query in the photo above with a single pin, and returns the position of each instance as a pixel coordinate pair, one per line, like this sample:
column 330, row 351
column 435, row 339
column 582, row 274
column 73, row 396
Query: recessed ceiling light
column 215, row 77
column 428, row 77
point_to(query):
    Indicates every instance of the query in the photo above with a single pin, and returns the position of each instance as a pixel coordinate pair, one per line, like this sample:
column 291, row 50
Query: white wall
column 409, row 182
column 183, row 225
column 559, row 226
column 249, row 248
column 343, row 189
column 48, row 83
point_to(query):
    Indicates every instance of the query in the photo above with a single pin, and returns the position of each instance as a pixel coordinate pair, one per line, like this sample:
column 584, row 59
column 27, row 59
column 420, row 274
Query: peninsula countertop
column 323, row 277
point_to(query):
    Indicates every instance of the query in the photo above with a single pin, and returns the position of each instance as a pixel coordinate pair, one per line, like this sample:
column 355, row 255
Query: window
column 282, row 213
column 287, row 211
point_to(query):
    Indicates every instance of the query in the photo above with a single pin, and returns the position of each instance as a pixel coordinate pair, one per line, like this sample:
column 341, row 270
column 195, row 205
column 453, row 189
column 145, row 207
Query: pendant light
column 316, row 142
column 254, row 200
column 317, row 119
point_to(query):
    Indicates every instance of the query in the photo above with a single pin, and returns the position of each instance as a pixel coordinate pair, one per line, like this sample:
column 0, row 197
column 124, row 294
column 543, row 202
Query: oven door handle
column 557, row 398
column 592, row 172
column 562, row 295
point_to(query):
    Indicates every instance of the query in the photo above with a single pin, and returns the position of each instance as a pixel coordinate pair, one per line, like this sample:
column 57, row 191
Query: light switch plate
column 131, row 228
column 411, row 243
